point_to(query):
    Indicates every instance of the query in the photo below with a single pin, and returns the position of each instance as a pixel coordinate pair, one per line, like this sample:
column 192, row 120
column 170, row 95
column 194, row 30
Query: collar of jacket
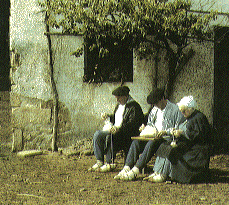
column 129, row 100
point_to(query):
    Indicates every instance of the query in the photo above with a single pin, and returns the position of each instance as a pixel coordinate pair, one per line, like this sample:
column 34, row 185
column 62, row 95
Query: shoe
column 150, row 176
column 122, row 172
column 107, row 167
column 96, row 166
column 131, row 175
column 158, row 178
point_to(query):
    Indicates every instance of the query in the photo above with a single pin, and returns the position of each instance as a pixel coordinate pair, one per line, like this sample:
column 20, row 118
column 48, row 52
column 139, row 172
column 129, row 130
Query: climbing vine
column 152, row 25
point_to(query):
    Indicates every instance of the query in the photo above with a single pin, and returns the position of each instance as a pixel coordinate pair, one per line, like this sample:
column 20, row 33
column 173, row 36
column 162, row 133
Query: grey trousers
column 102, row 145
column 146, row 148
column 163, row 166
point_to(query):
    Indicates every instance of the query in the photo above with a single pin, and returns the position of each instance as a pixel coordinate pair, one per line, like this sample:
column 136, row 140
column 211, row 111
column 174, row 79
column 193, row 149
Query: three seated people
column 180, row 138
column 164, row 116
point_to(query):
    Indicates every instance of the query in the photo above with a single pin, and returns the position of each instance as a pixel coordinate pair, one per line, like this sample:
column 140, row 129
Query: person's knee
column 135, row 143
column 150, row 145
column 151, row 142
column 96, row 135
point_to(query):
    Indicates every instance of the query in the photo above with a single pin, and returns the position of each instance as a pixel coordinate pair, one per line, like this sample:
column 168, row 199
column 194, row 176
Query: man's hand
column 114, row 130
column 104, row 116
column 177, row 133
column 142, row 127
column 160, row 134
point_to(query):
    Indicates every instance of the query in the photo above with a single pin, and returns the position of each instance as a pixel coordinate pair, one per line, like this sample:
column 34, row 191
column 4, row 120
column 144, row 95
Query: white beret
column 187, row 101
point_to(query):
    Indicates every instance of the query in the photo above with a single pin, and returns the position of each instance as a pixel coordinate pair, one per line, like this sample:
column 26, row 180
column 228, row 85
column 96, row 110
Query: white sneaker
column 107, row 167
column 150, row 176
column 131, row 175
column 96, row 166
column 158, row 178
column 122, row 172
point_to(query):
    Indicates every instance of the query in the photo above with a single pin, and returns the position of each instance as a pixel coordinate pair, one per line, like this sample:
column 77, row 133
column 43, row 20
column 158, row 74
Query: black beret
column 155, row 96
column 121, row 91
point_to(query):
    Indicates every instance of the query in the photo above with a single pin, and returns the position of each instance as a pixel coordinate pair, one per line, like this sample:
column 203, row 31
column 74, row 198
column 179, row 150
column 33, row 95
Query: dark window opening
column 116, row 66
column 4, row 46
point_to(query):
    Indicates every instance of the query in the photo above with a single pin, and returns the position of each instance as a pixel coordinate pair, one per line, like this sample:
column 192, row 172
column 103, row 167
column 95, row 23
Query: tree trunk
column 173, row 60
column 155, row 78
column 54, row 90
column 176, row 63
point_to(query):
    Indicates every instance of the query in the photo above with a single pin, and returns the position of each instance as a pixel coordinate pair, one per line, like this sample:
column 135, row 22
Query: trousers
column 102, row 145
column 141, row 152
column 163, row 166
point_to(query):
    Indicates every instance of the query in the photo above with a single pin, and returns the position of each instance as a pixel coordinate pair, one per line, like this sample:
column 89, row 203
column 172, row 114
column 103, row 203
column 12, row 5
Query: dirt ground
column 53, row 178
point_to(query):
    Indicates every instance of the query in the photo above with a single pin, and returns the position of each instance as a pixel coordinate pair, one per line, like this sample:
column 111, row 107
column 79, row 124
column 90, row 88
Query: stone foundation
column 5, row 115
column 32, row 123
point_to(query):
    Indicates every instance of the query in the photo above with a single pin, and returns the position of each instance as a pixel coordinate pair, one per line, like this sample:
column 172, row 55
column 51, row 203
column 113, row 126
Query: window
column 116, row 66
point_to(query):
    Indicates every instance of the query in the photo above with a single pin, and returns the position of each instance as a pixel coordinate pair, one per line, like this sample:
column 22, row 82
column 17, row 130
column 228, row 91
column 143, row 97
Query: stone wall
column 32, row 122
column 31, row 97
column 197, row 78
column 5, row 117
column 85, row 102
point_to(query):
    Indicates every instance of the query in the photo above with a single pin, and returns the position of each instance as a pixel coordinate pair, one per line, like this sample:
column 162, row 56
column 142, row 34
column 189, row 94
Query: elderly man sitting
column 188, row 155
column 125, row 123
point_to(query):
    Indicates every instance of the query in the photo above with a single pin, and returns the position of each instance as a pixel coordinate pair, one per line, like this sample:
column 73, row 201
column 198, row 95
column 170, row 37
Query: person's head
column 157, row 98
column 121, row 94
column 187, row 106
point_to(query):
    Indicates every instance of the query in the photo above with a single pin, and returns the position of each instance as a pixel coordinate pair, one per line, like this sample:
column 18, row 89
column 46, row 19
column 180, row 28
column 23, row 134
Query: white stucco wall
column 221, row 6
column 87, row 101
column 31, row 81
column 207, row 5
column 28, row 40
column 197, row 78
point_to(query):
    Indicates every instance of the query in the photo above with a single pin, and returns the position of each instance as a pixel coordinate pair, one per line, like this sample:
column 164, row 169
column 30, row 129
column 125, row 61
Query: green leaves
column 77, row 53
column 122, row 19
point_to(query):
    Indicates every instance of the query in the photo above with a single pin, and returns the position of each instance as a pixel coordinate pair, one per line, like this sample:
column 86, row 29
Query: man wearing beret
column 126, row 120
column 163, row 117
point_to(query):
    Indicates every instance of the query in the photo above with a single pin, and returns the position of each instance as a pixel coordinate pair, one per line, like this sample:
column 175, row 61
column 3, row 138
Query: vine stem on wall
column 54, row 90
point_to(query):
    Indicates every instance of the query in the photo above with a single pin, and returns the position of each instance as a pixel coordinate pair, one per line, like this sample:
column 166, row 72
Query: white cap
column 187, row 101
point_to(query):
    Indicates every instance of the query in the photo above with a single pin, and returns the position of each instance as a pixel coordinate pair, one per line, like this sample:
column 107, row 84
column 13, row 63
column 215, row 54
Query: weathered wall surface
column 5, row 116
column 84, row 101
column 31, row 121
column 221, row 6
column 31, row 97
column 197, row 78
column 80, row 103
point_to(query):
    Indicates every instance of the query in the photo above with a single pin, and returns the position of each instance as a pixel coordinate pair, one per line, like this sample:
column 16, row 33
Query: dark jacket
column 132, row 120
column 192, row 155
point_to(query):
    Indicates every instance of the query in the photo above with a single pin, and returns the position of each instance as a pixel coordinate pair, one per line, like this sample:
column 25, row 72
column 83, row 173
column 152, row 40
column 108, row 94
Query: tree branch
column 185, row 59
